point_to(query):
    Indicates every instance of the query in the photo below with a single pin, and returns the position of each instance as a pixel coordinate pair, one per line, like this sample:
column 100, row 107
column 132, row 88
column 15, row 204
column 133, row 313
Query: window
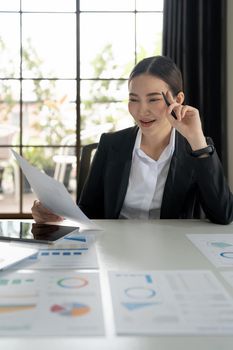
column 63, row 81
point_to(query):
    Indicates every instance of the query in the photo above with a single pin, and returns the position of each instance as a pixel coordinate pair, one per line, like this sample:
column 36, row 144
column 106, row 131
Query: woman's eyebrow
column 154, row 93
column 150, row 94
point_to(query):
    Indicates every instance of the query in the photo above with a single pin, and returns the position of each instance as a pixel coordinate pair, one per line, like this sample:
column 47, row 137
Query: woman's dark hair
column 162, row 67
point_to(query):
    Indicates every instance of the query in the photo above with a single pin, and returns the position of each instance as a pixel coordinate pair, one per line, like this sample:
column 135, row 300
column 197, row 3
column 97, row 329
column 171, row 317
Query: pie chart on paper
column 70, row 309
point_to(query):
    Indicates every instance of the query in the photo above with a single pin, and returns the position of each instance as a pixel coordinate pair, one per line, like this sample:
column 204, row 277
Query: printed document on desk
column 73, row 252
column 170, row 302
column 53, row 303
column 53, row 195
column 218, row 248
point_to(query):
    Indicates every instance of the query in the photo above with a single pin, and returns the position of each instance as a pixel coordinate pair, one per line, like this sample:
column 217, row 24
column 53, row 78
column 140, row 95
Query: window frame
column 20, row 213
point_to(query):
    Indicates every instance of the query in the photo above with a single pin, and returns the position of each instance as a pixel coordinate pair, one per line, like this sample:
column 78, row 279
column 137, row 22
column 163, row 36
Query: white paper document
column 11, row 254
column 218, row 248
column 53, row 195
column 64, row 303
column 170, row 302
column 74, row 252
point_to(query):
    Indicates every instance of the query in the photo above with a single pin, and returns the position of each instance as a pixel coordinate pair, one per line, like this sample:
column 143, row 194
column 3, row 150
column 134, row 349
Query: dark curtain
column 194, row 36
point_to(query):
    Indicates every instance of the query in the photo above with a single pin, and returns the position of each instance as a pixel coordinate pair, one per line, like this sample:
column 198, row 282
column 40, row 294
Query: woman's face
column 146, row 103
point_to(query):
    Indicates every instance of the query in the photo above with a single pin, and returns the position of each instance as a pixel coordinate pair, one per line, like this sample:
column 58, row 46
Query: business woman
column 164, row 167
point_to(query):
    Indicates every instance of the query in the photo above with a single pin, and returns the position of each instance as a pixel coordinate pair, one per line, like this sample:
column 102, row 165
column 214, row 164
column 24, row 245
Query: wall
column 230, row 90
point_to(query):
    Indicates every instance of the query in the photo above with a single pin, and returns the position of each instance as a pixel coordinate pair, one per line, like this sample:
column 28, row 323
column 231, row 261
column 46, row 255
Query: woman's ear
column 180, row 97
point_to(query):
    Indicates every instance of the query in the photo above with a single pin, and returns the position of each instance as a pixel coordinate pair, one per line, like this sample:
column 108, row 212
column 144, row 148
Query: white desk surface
column 162, row 245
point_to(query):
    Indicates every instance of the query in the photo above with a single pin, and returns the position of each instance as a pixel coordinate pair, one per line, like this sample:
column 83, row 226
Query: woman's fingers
column 182, row 111
column 187, row 121
column 179, row 109
column 169, row 97
column 42, row 214
column 175, row 107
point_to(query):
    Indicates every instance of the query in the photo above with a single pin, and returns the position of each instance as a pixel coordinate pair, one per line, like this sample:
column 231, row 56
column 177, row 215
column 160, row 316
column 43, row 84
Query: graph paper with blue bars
column 77, row 251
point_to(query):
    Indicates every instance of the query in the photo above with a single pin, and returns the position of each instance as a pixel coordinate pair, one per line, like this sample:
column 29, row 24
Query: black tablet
column 16, row 230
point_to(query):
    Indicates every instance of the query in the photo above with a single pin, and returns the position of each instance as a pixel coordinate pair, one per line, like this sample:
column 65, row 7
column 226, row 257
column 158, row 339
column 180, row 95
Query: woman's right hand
column 41, row 214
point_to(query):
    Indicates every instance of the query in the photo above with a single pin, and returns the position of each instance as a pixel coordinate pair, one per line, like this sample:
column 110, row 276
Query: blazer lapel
column 119, row 168
column 123, row 186
column 178, row 180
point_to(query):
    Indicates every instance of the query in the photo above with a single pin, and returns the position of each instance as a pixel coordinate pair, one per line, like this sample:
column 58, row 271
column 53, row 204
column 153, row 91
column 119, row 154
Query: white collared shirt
column 146, row 182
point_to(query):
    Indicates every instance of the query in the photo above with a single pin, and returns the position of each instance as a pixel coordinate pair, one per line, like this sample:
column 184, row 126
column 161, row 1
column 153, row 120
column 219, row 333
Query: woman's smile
column 147, row 123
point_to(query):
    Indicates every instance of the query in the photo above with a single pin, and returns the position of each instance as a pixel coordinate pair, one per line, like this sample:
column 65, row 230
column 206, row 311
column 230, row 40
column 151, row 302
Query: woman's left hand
column 188, row 122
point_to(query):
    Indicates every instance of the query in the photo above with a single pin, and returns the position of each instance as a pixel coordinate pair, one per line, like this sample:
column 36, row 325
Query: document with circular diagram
column 217, row 248
column 170, row 302
column 58, row 303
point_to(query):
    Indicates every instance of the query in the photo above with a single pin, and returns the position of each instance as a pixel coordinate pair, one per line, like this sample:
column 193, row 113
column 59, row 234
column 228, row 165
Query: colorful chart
column 70, row 309
column 59, row 252
column 14, row 308
column 72, row 282
column 15, row 281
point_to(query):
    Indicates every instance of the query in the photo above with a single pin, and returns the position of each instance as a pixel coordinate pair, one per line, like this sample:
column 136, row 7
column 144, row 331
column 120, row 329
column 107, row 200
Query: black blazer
column 192, row 183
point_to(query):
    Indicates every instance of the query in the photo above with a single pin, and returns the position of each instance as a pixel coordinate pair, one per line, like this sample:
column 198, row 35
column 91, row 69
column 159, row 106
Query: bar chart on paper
column 17, row 295
column 72, row 252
